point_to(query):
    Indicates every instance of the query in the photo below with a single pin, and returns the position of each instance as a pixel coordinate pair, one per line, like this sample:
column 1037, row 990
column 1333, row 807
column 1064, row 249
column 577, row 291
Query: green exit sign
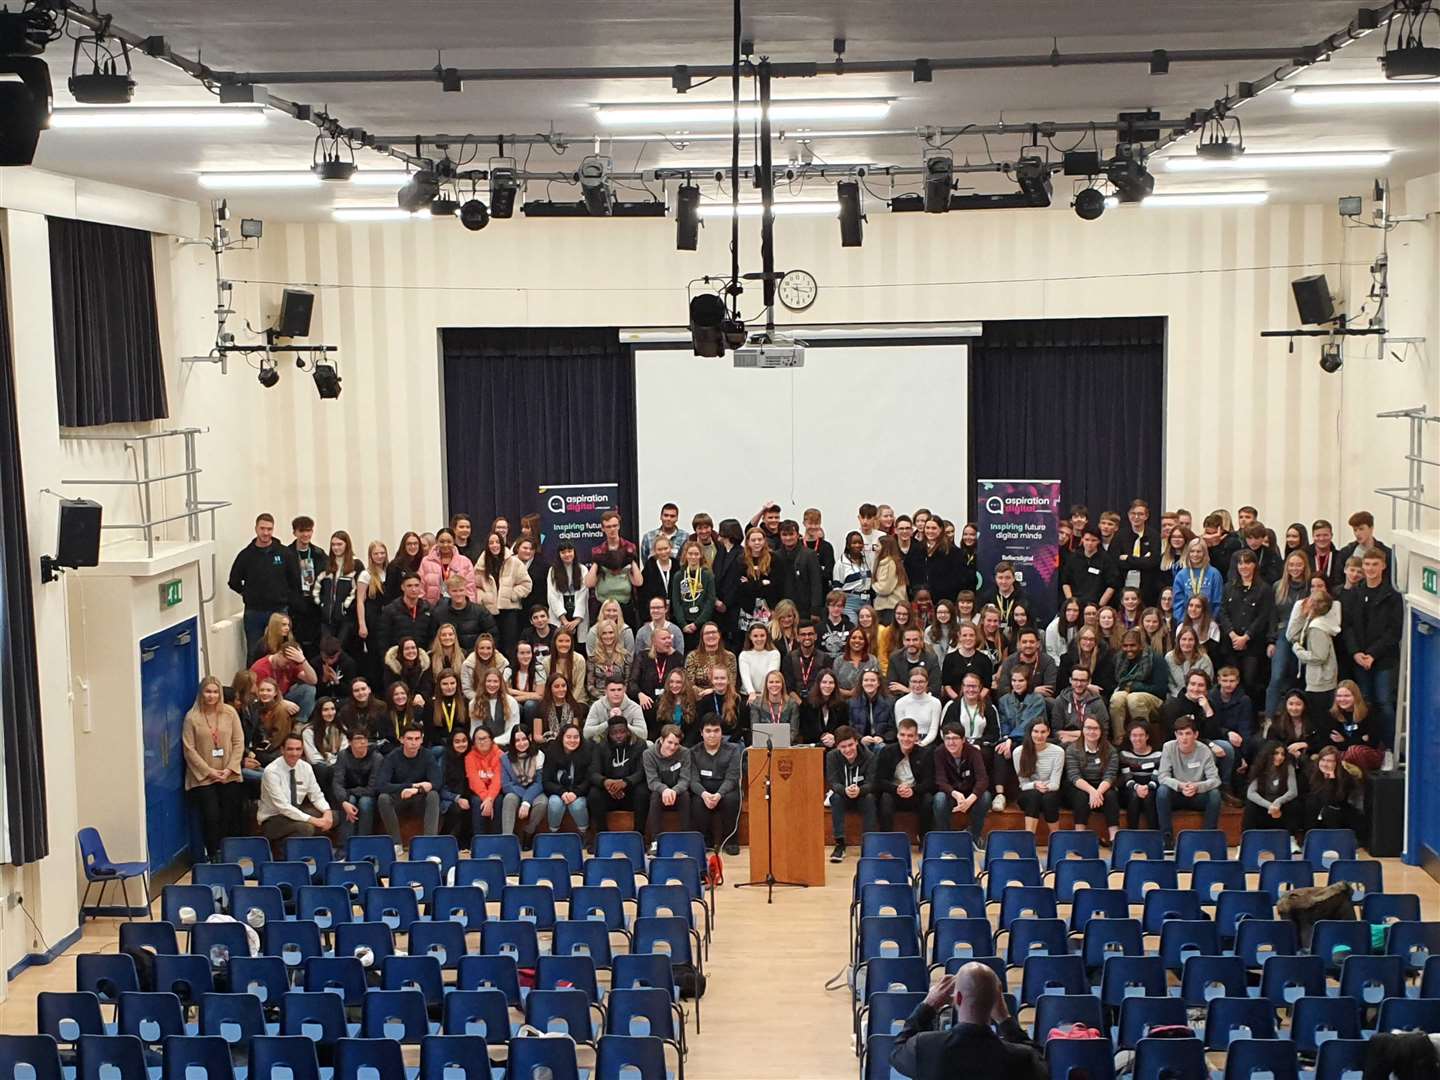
column 1430, row 580
column 170, row 593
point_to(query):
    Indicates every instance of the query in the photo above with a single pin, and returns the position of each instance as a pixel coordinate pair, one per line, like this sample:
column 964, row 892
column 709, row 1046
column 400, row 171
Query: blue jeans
column 578, row 811
column 255, row 623
column 302, row 694
column 943, row 808
column 1168, row 800
column 1378, row 686
column 1284, row 669
column 1225, row 764
column 364, row 825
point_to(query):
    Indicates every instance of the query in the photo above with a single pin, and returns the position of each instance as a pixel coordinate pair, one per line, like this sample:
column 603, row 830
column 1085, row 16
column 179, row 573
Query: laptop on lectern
column 778, row 734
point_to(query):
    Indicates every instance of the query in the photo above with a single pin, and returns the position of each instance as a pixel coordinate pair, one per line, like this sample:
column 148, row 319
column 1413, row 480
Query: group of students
column 593, row 659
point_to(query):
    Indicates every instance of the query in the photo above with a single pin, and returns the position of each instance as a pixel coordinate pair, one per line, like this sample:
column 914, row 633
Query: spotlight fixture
column 687, row 217
column 443, row 206
column 1411, row 59
column 504, row 185
column 25, row 106
column 269, row 374
column 1331, row 359
column 1033, row 176
column 327, row 381
column 707, row 324
column 1159, row 62
column 1089, row 204
column 474, row 214
column 332, row 159
column 939, row 179
column 105, row 83
column 852, row 213
column 1128, row 175
column 1215, row 144
column 594, row 179
column 419, row 191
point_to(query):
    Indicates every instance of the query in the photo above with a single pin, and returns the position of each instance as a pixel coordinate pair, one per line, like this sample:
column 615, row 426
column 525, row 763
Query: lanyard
column 775, row 713
column 447, row 710
column 659, row 672
column 1197, row 579
column 1004, row 607
column 805, row 670
column 692, row 582
column 1136, row 550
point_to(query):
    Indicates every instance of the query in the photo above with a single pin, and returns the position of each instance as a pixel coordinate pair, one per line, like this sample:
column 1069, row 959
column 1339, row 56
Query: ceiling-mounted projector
column 764, row 351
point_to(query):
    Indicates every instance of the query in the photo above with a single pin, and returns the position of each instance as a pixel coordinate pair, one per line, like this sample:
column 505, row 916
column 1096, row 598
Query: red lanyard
column 659, row 672
column 776, row 713
column 805, row 670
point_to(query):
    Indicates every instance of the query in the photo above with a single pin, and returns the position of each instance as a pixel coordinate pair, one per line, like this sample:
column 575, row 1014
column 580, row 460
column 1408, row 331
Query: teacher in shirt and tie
column 291, row 800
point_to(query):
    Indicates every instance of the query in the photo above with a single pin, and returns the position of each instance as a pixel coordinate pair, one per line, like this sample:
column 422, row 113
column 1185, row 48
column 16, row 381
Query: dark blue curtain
column 1078, row 400
column 108, row 368
column 525, row 407
column 19, row 675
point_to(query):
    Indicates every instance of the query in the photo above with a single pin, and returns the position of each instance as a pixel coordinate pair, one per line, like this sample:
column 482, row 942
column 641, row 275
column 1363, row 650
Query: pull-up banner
column 1019, row 524
column 572, row 512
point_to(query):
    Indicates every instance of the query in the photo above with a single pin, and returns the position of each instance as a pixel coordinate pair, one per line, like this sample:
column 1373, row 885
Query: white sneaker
column 998, row 804
column 653, row 850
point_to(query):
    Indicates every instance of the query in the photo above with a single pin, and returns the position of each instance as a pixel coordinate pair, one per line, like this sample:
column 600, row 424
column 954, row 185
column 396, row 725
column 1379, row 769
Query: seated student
column 484, row 777
column 1236, row 733
column 1039, row 769
column 903, row 779
column 323, row 741
column 353, row 788
column 965, row 657
column 1142, row 680
column 1189, row 779
column 1353, row 728
column 1092, row 770
column 294, row 678
column 1186, row 656
column 667, row 767
column 408, row 663
column 872, row 712
column 558, row 709
column 291, row 802
column 266, row 723
column 853, row 661
column 456, row 798
column 978, row 718
column 522, row 788
column 617, row 775
column 494, row 709
column 466, row 614
column 679, row 704
column 824, row 712
column 920, row 706
column 334, row 668
column 777, row 706
column 806, row 661
column 362, row 710
column 715, row 786
column 1075, row 704
column 1060, row 634
column 962, row 784
column 1139, row 771
column 526, row 682
column 709, row 653
column 904, row 660
column 756, row 660
column 539, row 635
column 1331, row 794
column 615, row 702
column 725, row 705
column 1192, row 703
column 485, row 657
column 1004, row 594
column 659, row 620
column 409, row 783
column 447, row 713
column 835, row 628
column 1028, row 655
column 849, row 779
column 1272, row 798
column 567, row 780
column 623, row 641
column 648, row 672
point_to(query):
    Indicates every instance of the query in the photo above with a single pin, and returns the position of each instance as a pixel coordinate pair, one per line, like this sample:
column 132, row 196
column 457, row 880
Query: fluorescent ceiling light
column 714, row 112
column 297, row 178
column 1367, row 94
column 1207, row 198
column 1342, row 159
column 158, row 116
column 375, row 213
column 781, row 209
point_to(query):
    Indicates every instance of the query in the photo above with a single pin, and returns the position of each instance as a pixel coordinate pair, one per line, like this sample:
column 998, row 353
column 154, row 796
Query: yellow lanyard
column 692, row 582
column 1196, row 580
column 1136, row 552
column 447, row 709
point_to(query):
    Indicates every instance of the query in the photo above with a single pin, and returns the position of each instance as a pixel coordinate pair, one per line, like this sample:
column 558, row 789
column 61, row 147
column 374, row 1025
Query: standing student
column 502, row 585
column 439, row 563
column 1247, row 620
column 1138, row 554
column 1324, row 556
column 658, row 572
column 266, row 575
column 853, row 575
column 669, row 529
column 804, row 582
column 214, row 746
column 702, row 531
column 1362, row 527
column 715, row 787
column 890, row 583
column 370, row 585
column 615, row 568
column 761, row 585
column 335, row 592
column 692, row 593
column 815, row 542
column 1372, row 640
column 849, row 780
column 1312, row 631
column 727, row 568
column 1004, row 595
column 566, row 593
column 1196, row 577
column 408, row 554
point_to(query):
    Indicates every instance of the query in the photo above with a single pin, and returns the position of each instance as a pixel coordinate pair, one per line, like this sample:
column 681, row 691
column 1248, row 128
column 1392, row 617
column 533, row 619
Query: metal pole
column 767, row 198
column 145, row 496
column 190, row 485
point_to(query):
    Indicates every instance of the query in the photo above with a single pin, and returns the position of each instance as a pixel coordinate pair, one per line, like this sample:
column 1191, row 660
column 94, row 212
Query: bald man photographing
column 971, row 1049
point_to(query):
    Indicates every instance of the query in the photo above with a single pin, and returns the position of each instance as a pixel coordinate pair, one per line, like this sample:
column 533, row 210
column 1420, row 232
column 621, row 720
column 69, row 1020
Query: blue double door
column 169, row 674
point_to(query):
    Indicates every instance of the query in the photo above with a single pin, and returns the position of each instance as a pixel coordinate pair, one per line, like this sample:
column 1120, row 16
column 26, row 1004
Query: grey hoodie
column 1313, row 641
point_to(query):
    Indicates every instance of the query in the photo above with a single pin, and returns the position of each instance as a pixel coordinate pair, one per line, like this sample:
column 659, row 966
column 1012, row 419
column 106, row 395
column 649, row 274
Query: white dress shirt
column 275, row 798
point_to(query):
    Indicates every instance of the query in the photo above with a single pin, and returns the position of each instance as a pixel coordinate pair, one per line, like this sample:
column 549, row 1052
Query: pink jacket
column 430, row 575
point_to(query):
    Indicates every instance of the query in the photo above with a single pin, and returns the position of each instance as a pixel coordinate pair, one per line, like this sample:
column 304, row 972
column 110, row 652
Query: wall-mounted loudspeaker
column 78, row 538
column 1312, row 299
column 296, row 306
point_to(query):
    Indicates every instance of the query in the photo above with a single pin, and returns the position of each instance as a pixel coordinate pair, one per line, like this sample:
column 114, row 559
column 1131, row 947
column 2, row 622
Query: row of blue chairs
column 294, row 1057
column 1155, row 1059
column 1321, row 847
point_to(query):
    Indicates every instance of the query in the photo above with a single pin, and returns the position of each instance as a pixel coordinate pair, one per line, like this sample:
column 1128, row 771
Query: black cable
column 735, row 167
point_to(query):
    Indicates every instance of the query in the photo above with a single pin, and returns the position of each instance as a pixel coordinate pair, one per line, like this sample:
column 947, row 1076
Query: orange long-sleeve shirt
column 483, row 772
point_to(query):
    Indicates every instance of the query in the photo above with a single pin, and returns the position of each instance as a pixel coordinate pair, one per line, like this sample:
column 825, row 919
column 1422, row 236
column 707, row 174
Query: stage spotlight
column 1033, row 176
column 419, row 191
column 852, row 213
column 1411, row 59
column 474, row 215
column 443, row 206
column 327, row 381
column 687, row 217
column 1331, row 360
column 939, row 179
column 594, row 178
column 25, row 103
column 1127, row 173
column 269, row 374
column 504, row 184
column 707, row 324
column 1089, row 204
column 105, row 83
column 328, row 163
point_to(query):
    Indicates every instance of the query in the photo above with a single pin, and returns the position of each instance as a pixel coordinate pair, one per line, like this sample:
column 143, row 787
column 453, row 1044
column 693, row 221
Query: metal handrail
column 1413, row 491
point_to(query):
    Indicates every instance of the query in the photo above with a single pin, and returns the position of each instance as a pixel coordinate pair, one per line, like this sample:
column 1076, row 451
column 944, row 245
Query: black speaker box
column 1312, row 299
column 852, row 218
column 1385, row 802
column 79, row 540
column 296, row 306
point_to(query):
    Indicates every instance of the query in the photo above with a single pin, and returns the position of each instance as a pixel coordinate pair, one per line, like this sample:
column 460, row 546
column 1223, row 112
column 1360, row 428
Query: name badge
column 706, row 773
column 1132, row 579
column 217, row 752
column 1094, row 569
column 694, row 609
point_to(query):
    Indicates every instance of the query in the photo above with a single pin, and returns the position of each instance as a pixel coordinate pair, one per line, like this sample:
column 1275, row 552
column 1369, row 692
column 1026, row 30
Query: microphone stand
column 770, row 881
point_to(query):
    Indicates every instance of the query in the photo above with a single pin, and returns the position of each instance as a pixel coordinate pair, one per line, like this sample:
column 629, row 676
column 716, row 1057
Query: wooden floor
column 766, row 1013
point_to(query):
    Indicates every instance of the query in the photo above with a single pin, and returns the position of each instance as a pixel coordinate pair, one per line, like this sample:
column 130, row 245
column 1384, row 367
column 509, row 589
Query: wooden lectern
column 799, row 793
